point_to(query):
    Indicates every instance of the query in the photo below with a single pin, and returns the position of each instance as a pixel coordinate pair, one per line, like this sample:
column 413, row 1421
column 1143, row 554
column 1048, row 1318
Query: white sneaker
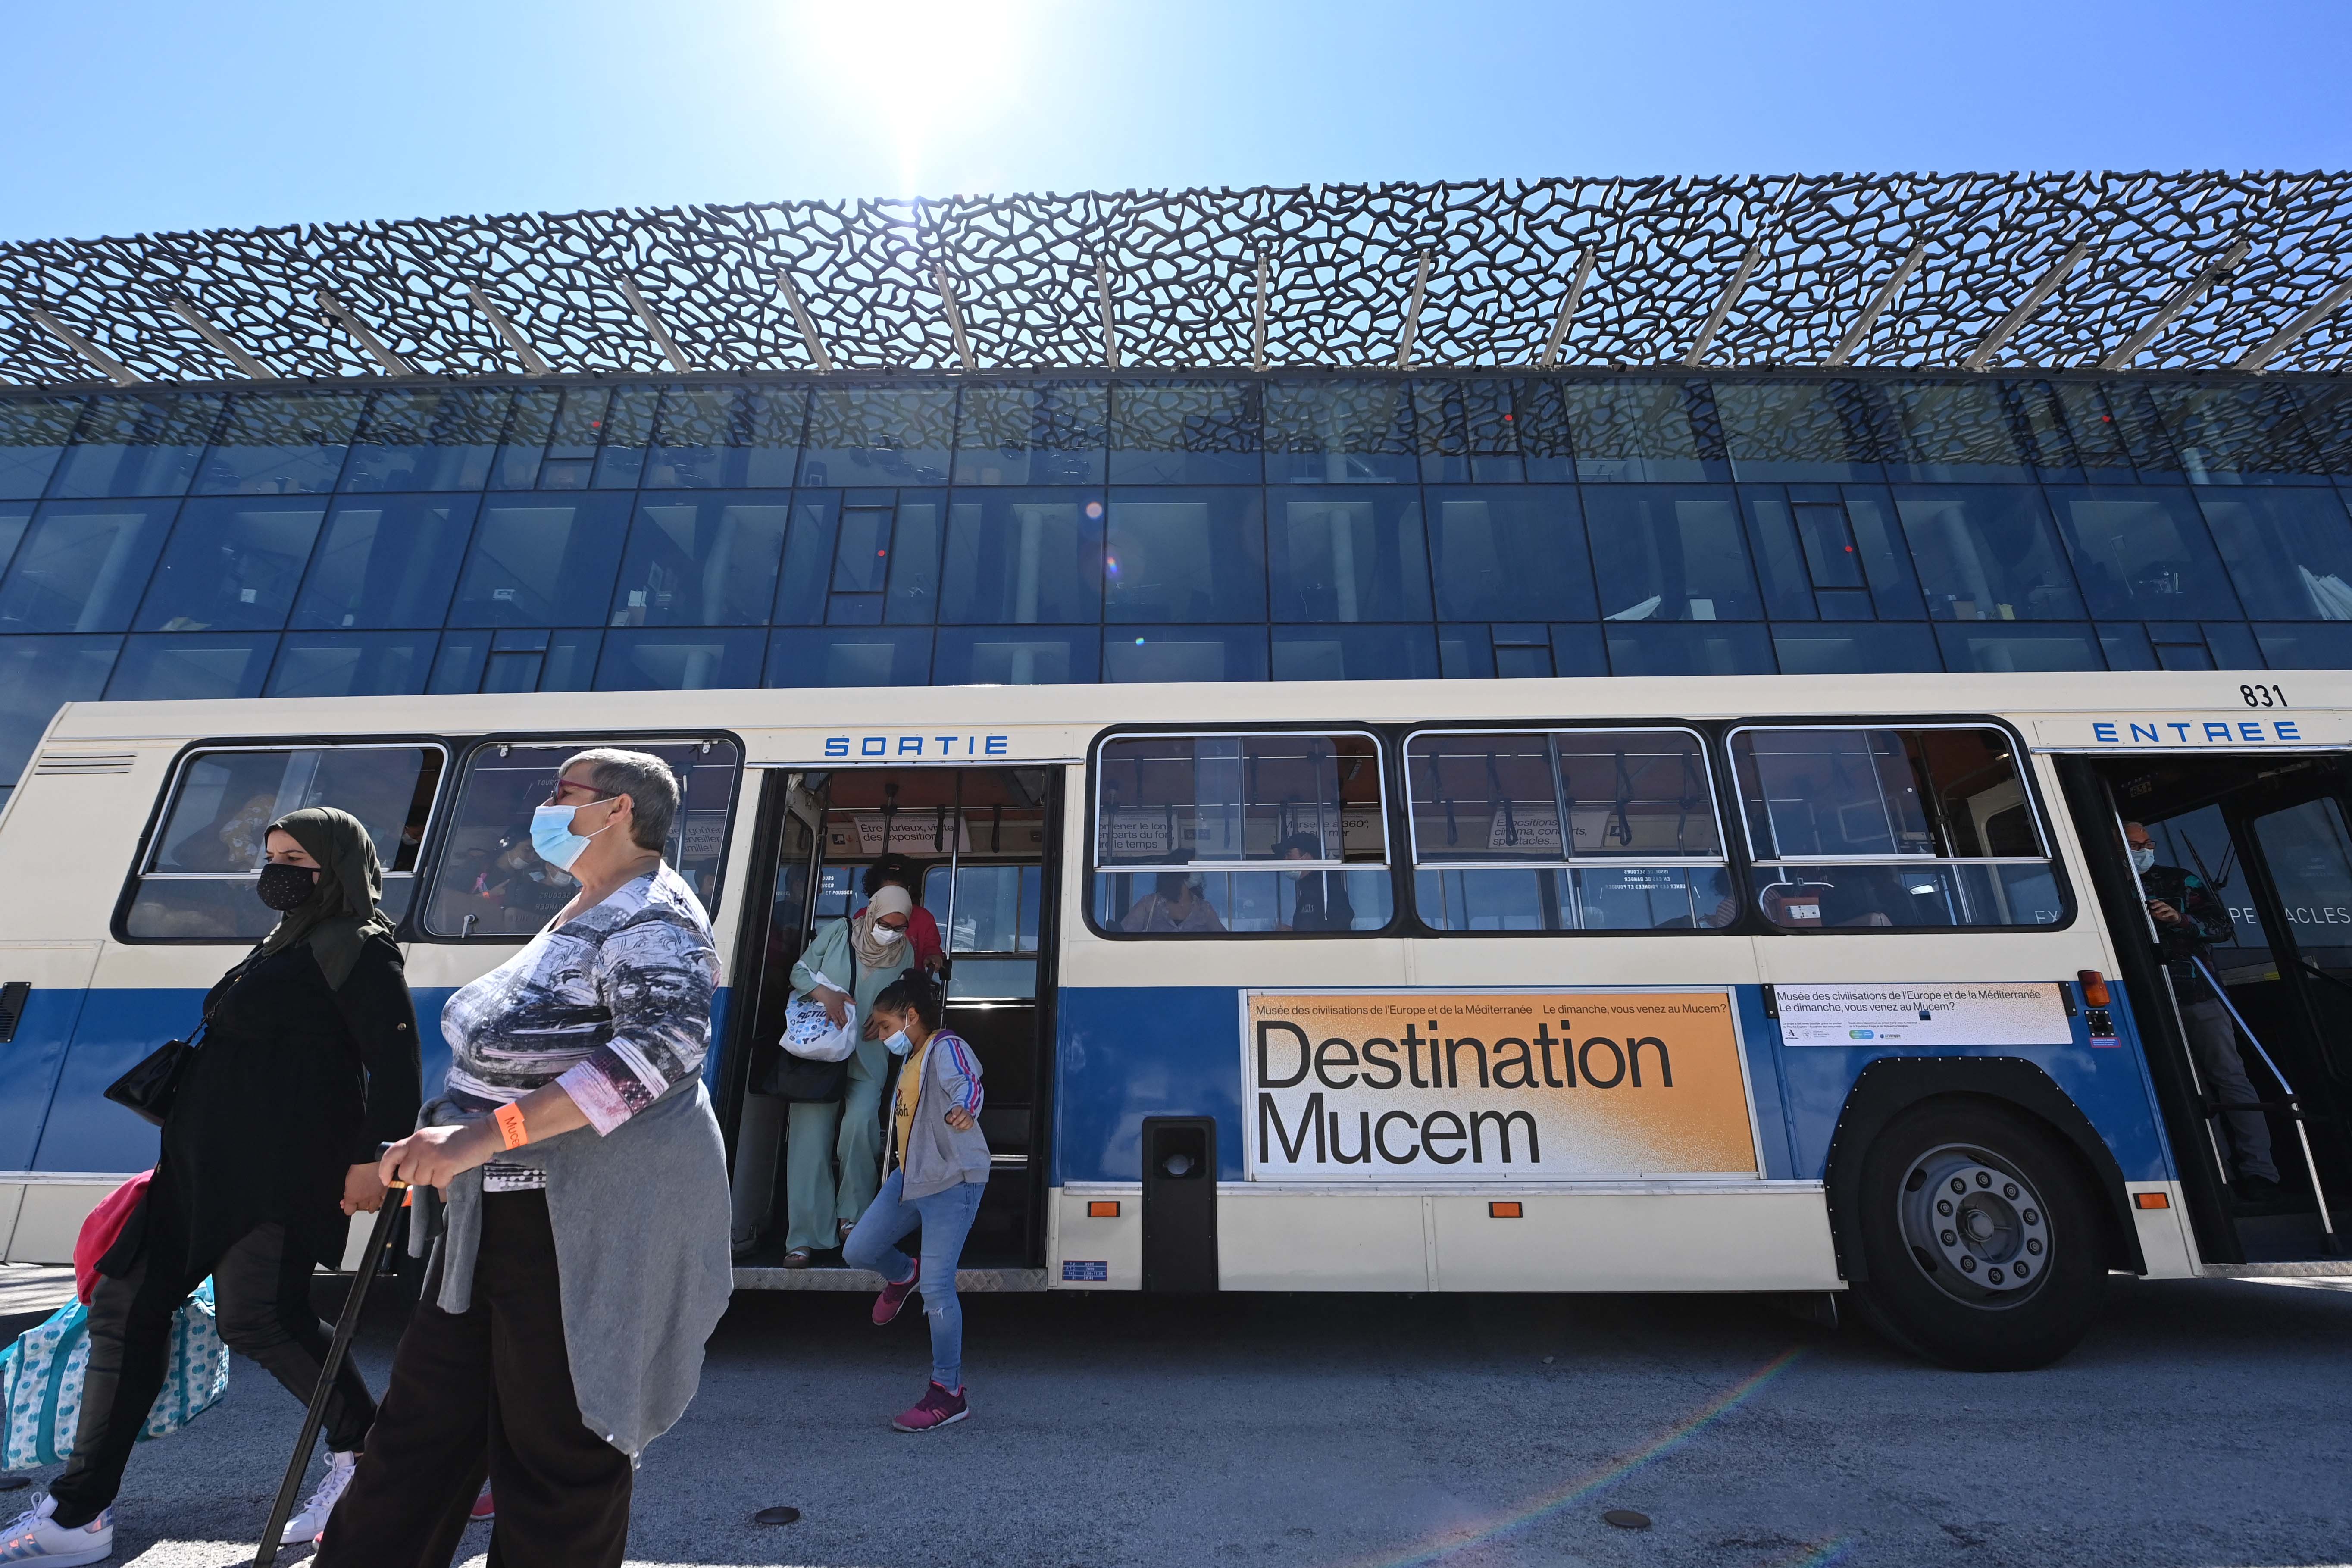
column 311, row 1519
column 34, row 1537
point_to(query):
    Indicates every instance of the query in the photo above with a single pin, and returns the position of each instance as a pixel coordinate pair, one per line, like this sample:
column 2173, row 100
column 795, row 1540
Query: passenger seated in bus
column 1176, row 903
column 922, row 930
column 234, row 841
column 518, row 881
column 1322, row 903
column 1805, row 905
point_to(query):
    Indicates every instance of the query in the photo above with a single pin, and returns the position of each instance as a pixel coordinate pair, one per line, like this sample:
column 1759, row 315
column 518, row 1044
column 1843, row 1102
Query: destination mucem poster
column 1492, row 1086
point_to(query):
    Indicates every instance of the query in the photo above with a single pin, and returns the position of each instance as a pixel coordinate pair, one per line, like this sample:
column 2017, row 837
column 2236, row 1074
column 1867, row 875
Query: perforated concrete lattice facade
column 2180, row 271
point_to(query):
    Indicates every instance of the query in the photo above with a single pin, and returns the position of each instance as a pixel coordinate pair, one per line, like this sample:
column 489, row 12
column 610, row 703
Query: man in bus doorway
column 2191, row 920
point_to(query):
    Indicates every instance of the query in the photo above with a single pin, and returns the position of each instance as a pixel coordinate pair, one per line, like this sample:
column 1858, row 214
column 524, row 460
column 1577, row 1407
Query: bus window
column 197, row 883
column 1214, row 835
column 489, row 885
column 1643, row 849
column 1905, row 829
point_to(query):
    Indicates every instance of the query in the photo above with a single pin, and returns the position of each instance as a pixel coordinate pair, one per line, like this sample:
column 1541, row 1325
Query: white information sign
column 1990, row 1013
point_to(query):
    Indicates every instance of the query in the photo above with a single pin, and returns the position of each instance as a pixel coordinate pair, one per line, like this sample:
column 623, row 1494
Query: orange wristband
column 510, row 1127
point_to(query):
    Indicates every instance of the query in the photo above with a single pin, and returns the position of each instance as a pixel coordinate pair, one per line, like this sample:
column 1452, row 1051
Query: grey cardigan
column 641, row 1223
column 937, row 1156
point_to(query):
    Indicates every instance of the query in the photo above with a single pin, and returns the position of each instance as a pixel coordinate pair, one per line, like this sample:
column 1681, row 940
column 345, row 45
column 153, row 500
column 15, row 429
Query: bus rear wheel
column 1981, row 1237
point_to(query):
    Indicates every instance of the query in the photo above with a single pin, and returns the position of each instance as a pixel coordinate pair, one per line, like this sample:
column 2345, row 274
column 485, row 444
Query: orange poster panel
column 1420, row 1086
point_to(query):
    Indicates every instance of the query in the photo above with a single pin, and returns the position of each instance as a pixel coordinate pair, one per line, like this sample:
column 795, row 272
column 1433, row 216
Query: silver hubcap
column 1975, row 1226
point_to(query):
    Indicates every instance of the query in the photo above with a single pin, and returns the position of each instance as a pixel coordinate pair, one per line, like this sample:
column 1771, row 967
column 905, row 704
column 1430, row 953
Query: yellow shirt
column 905, row 1101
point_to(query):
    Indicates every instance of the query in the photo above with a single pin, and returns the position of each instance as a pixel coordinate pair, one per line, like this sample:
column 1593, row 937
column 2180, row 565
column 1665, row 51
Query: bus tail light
column 2095, row 987
column 1102, row 1209
column 1502, row 1211
column 2152, row 1200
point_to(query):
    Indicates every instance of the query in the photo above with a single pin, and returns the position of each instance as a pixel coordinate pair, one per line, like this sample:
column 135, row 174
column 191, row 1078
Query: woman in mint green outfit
column 818, row 1210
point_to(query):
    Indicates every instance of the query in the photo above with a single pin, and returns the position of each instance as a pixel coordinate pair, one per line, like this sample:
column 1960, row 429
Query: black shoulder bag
column 818, row 1083
column 148, row 1089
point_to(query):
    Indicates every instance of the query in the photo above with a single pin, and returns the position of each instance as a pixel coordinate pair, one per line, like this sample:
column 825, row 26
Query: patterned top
column 614, row 1005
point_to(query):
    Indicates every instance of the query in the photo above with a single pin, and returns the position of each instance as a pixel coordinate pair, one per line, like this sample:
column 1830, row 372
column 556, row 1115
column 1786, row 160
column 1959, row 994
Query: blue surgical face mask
column 899, row 1045
column 2143, row 858
column 552, row 839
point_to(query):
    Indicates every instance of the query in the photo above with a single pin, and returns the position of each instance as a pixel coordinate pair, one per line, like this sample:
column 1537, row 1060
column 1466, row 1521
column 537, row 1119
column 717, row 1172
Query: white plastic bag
column 810, row 1032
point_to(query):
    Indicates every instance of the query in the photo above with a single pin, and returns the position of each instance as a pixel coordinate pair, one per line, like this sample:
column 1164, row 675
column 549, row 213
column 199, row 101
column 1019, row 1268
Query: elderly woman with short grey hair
column 585, row 1258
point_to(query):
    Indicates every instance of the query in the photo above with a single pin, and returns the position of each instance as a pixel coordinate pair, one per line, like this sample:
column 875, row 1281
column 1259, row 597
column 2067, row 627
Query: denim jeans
column 945, row 1218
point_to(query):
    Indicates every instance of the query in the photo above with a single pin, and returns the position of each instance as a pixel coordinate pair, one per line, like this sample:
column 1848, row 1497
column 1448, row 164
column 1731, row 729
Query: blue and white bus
column 1759, row 983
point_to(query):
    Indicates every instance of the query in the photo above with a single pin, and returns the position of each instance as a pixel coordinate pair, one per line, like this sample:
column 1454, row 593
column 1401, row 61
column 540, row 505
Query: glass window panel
column 1185, row 433
column 2309, row 855
column 1798, row 431
column 139, row 445
column 1827, row 540
column 539, row 562
column 1024, row 557
column 1185, row 556
column 1579, row 650
column 529, row 428
column 1355, row 653
column 14, row 520
column 861, row 558
column 2120, row 412
column 727, row 437
column 349, row 664
column 996, row 907
column 1016, row 655
column 2233, row 645
column 807, row 572
column 1839, row 794
column 2289, row 551
column 2125, row 646
column 198, row 883
column 169, row 668
column 629, row 430
column 285, row 442
column 879, row 435
column 1689, row 649
column 1632, row 430
column 1540, row 419
column 699, row 561
column 2326, row 404
column 1035, row 433
column 386, row 562
column 2142, row 553
column 1974, row 646
column 2042, row 425
column 1646, row 898
column 1954, row 432
column 1339, row 433
column 1878, row 538
column 1500, row 796
column 1670, row 554
column 2306, row 647
column 2240, row 434
column 579, row 423
column 850, row 655
column 914, row 595
column 1465, row 653
column 1466, row 430
column 232, row 565
column 570, row 660
column 38, row 675
column 1877, row 648
column 1349, row 555
column 83, row 566
column 458, row 665
column 681, row 660
column 428, row 438
column 1781, row 567
column 1184, row 653
column 33, row 435
column 488, row 884
column 1514, row 555
column 1988, row 553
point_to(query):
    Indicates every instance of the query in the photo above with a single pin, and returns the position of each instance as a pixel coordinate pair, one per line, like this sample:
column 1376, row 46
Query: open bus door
column 2256, row 1081
column 984, row 843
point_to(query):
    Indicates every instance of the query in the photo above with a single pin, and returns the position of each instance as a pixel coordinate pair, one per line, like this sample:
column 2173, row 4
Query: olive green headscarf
column 339, row 915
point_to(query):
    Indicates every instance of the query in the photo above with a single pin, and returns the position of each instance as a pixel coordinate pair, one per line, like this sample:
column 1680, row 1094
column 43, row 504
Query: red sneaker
column 893, row 1297
column 937, row 1407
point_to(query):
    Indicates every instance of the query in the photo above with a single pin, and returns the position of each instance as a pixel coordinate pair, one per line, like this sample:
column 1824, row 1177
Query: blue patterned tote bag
column 41, row 1381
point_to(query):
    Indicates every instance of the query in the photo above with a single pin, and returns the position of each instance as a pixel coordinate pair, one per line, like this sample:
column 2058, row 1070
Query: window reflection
column 1339, row 432
column 33, row 435
column 1514, row 555
column 1349, row 555
column 1635, row 430
column 2142, row 553
column 348, row 664
column 280, row 444
column 1024, row 557
column 1800, row 430
column 232, row 565
column 701, row 561
column 2235, row 435
column 727, row 437
column 1466, row 429
column 431, row 438
column 1195, row 555
column 541, row 562
column 1185, row 433
column 1037, row 433
column 879, row 435
column 172, row 669
column 2289, row 551
column 82, row 566
column 1955, row 432
column 137, row 445
column 390, row 561
column 1670, row 554
column 1988, row 553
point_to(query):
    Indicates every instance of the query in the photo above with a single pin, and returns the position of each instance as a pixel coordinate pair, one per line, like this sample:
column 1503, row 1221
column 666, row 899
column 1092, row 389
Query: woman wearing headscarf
column 850, row 960
column 307, row 1065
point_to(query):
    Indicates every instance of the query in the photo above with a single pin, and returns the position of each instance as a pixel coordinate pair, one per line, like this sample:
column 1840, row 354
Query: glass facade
column 646, row 533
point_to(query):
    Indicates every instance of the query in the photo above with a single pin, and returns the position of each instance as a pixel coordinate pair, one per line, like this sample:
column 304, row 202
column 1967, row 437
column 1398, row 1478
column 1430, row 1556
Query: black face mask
column 283, row 886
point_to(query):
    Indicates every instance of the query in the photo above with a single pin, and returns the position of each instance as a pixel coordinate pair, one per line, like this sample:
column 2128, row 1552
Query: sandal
column 799, row 1257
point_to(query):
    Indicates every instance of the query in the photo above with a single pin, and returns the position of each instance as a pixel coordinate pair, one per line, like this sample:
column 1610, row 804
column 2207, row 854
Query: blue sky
column 127, row 117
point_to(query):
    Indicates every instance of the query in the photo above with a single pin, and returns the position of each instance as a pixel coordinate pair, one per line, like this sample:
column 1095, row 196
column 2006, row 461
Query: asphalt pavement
column 2202, row 1424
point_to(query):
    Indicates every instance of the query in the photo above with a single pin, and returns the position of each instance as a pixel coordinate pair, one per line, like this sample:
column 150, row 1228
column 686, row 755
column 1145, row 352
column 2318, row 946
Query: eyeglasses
column 555, row 793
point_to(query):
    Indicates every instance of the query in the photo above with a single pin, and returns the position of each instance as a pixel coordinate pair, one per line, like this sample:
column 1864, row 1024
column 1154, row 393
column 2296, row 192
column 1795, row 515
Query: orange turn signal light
column 1502, row 1211
column 1102, row 1209
column 2095, row 987
column 2152, row 1200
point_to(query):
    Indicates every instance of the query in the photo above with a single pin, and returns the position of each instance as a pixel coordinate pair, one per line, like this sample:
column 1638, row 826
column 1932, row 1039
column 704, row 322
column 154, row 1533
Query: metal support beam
column 2170, row 310
column 113, row 369
column 802, row 320
column 1109, row 316
column 1859, row 333
column 343, row 316
column 1728, row 298
column 1258, row 316
column 2035, row 297
column 2285, row 337
column 531, row 358
column 221, row 342
column 955, row 317
column 654, row 330
column 1412, row 310
column 1569, row 305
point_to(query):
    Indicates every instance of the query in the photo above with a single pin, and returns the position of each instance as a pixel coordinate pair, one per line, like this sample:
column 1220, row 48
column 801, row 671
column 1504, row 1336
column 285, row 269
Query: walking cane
column 347, row 1322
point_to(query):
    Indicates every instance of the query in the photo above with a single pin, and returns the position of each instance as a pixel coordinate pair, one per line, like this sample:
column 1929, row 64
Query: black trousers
column 261, row 1296
column 486, row 1393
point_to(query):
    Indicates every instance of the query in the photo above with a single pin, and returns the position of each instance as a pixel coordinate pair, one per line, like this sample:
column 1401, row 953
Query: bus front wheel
column 1981, row 1237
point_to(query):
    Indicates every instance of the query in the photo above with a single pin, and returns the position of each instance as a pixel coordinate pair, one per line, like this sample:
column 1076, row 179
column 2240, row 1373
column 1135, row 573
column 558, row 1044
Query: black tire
column 1982, row 1238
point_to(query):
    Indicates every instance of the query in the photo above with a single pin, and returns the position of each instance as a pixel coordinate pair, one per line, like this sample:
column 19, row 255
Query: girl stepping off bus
column 938, row 1170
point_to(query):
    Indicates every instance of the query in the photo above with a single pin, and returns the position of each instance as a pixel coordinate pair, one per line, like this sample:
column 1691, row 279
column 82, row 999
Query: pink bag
column 102, row 1229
